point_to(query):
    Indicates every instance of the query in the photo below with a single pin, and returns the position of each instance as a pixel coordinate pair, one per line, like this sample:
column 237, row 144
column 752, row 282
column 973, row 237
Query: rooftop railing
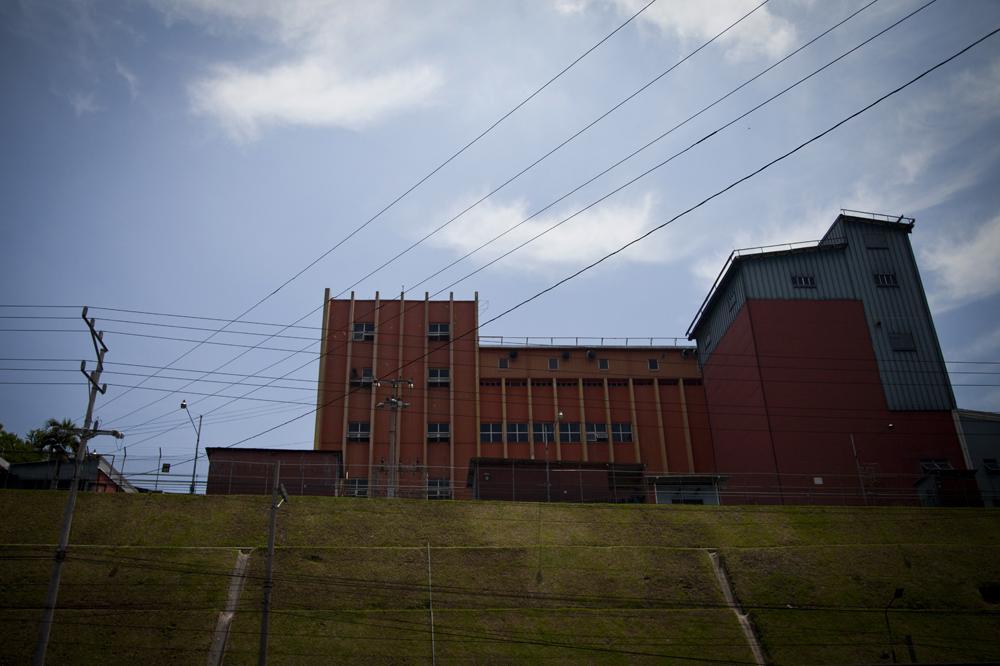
column 553, row 341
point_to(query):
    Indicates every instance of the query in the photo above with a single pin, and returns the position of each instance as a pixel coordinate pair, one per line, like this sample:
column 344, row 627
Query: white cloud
column 337, row 64
column 583, row 239
column 130, row 78
column 83, row 103
column 309, row 92
column 762, row 33
column 570, row 6
column 966, row 269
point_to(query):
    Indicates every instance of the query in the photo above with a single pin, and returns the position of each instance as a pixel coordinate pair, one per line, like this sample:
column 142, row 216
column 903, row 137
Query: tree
column 13, row 449
column 57, row 439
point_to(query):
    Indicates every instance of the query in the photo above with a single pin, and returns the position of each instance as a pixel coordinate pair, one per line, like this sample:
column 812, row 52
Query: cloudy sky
column 191, row 156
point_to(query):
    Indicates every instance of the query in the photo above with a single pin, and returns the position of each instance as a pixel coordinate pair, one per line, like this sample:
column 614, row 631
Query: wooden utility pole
column 85, row 433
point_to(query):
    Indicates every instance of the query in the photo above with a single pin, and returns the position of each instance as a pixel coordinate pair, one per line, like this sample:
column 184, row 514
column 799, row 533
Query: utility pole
column 85, row 433
column 268, row 584
column 394, row 403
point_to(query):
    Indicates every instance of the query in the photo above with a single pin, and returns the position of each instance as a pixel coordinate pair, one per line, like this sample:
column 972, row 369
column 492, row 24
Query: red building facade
column 454, row 400
column 817, row 377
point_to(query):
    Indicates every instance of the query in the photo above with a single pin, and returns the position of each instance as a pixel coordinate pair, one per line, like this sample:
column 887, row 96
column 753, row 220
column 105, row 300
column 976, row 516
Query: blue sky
column 189, row 156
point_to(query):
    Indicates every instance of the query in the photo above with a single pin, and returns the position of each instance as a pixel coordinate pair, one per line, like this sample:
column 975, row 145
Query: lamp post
column 279, row 488
column 897, row 594
column 197, row 440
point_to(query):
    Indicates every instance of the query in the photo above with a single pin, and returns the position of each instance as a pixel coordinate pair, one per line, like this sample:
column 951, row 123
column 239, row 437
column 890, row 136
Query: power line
column 566, row 141
column 421, row 181
column 701, row 203
column 630, row 182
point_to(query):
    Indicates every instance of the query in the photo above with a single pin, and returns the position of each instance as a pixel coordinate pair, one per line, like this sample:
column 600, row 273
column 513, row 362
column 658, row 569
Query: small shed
column 252, row 471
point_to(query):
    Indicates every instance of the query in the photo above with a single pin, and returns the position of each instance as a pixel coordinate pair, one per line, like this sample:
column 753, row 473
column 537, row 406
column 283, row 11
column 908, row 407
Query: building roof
column 829, row 242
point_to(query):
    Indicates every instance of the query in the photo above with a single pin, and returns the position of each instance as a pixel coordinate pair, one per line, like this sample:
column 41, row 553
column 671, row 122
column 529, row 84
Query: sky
column 192, row 157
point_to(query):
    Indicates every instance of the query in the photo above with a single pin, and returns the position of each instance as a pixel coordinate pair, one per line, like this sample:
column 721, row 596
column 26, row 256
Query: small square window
column 544, row 432
column 438, row 432
column 935, row 465
column 439, row 377
column 503, row 362
column 363, row 332
column 597, row 432
column 804, row 281
column 553, row 364
column 876, row 239
column 358, row 431
column 886, row 280
column 603, row 364
column 654, row 364
column 490, row 433
column 569, row 431
column 438, row 489
column 366, row 378
column 438, row 331
column 902, row 341
column 621, row 432
column 517, row 432
column 357, row 488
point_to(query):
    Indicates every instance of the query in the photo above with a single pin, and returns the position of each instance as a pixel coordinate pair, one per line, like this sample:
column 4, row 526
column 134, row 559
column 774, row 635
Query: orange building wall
column 665, row 407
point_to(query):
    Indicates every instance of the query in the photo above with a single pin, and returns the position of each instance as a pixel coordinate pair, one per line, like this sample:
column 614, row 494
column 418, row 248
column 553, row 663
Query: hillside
column 147, row 577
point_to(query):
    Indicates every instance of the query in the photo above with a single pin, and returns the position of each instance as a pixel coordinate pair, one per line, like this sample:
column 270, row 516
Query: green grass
column 147, row 576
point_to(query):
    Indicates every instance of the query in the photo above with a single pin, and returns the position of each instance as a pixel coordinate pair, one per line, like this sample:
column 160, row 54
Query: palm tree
column 58, row 439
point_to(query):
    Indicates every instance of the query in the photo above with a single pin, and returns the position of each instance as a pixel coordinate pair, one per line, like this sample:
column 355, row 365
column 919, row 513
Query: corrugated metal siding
column 723, row 312
column 912, row 380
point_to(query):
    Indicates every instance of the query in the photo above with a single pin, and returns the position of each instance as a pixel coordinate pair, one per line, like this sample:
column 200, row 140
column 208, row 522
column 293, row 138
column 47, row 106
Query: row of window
column 800, row 281
column 503, row 363
column 490, row 433
column 364, row 331
column 441, row 377
column 436, row 488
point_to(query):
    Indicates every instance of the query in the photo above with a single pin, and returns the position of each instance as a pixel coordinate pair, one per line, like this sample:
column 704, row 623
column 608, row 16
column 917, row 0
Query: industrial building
column 816, row 377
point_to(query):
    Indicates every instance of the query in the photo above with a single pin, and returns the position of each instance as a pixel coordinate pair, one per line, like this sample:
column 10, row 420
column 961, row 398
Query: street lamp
column 897, row 594
column 197, row 441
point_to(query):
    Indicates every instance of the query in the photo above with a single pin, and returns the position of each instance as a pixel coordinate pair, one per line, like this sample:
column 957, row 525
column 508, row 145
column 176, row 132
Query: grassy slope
column 610, row 584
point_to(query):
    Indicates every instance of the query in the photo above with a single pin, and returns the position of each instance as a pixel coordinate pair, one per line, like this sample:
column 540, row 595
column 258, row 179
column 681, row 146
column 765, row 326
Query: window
column 876, row 240
column 553, row 364
column 991, row 466
column 364, row 331
column 439, row 332
column 569, row 431
column 597, row 432
column 886, row 280
column 804, row 281
column 503, row 362
column 438, row 377
column 902, row 341
column 621, row 432
column 517, row 432
column 357, row 488
column 603, row 364
column 544, row 432
column 490, row 433
column 364, row 379
column 654, row 364
column 935, row 465
column 438, row 489
column 358, row 431
column 438, row 432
